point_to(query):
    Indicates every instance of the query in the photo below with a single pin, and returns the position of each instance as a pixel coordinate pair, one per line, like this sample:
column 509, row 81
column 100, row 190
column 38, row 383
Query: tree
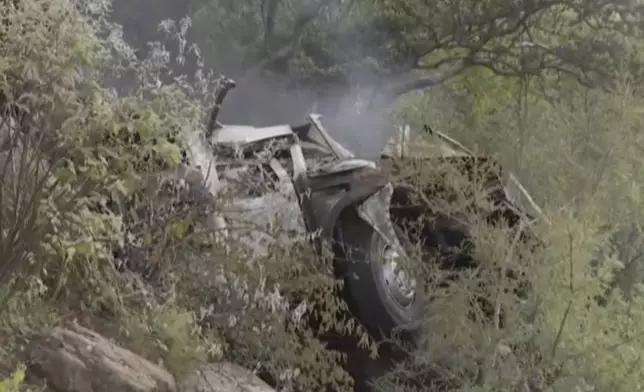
column 397, row 46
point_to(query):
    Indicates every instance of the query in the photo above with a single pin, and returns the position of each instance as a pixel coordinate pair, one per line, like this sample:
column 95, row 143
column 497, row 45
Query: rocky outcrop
column 76, row 359
column 224, row 377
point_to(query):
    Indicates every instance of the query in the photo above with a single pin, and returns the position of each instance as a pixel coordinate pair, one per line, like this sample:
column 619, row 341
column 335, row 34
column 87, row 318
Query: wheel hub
column 400, row 286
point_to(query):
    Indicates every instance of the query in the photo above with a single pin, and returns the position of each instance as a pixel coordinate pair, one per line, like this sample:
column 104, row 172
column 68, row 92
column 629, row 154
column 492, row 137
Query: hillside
column 111, row 277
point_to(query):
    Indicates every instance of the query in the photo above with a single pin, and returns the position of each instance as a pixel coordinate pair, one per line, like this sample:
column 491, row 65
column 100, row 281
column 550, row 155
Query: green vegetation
column 85, row 174
column 80, row 163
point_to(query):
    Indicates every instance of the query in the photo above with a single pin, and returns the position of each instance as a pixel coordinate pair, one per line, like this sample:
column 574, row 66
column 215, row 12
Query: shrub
column 13, row 382
column 580, row 327
column 80, row 168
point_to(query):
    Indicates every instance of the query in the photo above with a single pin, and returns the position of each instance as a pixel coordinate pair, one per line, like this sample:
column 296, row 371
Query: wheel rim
column 400, row 286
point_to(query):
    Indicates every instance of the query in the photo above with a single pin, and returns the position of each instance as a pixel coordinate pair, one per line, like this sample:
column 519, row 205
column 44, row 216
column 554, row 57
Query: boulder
column 76, row 359
column 224, row 377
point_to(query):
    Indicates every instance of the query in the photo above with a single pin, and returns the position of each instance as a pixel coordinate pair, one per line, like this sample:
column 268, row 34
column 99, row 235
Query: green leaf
column 178, row 230
column 15, row 380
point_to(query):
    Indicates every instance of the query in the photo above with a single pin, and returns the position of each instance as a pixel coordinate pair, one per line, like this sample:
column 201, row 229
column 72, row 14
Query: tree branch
column 392, row 91
column 269, row 11
column 302, row 20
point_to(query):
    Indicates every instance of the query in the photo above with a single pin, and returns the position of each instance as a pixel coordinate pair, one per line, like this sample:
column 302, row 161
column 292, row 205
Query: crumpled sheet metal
column 375, row 211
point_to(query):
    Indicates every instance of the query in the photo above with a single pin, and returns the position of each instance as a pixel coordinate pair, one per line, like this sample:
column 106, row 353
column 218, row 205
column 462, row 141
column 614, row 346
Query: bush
column 99, row 225
column 15, row 381
column 580, row 327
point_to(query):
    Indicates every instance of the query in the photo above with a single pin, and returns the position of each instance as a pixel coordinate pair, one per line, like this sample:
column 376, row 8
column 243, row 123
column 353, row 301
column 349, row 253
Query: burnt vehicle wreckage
column 357, row 209
column 354, row 208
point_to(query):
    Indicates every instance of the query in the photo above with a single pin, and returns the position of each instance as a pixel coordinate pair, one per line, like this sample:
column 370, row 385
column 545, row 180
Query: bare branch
column 269, row 11
column 382, row 99
column 302, row 20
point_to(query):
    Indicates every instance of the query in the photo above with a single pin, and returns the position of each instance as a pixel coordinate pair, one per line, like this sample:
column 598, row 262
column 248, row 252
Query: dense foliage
column 399, row 46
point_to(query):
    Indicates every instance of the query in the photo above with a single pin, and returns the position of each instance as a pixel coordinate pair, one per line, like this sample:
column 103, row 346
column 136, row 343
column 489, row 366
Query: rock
column 224, row 377
column 76, row 359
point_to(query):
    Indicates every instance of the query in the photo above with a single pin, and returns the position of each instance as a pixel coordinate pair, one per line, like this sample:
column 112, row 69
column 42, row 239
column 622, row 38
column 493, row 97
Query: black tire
column 365, row 290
